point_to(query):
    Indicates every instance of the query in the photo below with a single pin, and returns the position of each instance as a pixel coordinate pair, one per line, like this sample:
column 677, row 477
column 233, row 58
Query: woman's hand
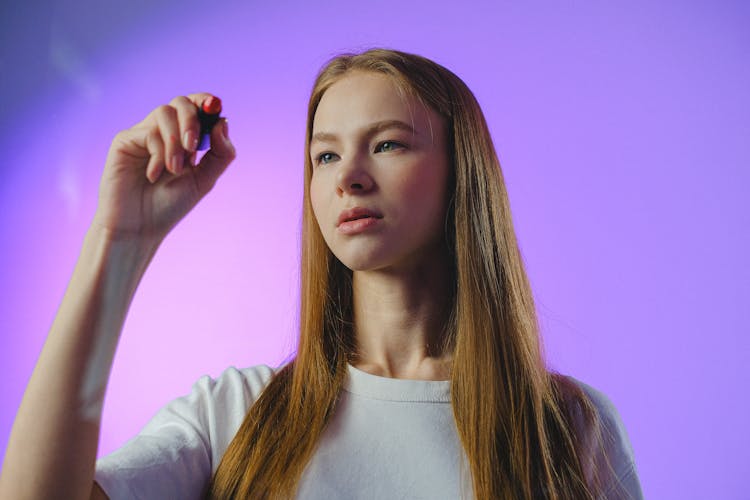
column 150, row 181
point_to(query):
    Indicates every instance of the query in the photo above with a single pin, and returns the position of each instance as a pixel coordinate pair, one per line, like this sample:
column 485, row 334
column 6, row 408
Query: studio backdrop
column 623, row 129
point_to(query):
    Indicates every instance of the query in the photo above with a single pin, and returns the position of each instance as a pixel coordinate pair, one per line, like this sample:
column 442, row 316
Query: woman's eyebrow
column 369, row 131
column 389, row 124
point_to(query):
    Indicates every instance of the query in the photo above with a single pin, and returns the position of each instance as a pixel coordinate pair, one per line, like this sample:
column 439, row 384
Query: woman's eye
column 386, row 146
column 324, row 158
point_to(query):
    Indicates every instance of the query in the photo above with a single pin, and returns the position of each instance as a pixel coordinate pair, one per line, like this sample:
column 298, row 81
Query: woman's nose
column 353, row 177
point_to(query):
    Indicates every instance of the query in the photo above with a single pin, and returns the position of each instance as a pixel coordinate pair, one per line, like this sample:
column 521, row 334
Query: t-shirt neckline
column 395, row 389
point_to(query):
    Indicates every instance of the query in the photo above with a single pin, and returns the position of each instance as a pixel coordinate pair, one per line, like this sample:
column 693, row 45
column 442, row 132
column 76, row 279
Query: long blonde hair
column 514, row 418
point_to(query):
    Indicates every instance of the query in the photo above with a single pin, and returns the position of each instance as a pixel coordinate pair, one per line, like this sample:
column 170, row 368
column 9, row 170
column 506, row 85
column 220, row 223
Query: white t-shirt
column 388, row 439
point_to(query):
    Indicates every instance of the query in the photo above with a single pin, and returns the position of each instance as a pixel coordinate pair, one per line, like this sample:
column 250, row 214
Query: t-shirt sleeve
column 616, row 460
column 176, row 453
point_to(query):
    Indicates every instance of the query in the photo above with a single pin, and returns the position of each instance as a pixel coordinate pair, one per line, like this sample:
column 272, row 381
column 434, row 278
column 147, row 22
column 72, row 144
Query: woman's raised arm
column 149, row 183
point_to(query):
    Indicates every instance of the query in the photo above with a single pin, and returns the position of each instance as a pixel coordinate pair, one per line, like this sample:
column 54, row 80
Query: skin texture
column 378, row 148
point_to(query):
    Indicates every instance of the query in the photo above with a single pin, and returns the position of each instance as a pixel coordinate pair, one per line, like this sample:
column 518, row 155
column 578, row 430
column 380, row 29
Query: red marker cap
column 212, row 106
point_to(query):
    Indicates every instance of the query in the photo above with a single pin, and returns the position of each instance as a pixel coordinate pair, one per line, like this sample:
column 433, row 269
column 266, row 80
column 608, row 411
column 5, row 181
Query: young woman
column 419, row 372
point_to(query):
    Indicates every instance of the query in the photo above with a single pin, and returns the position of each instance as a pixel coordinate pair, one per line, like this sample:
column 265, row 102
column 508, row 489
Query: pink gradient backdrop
column 623, row 133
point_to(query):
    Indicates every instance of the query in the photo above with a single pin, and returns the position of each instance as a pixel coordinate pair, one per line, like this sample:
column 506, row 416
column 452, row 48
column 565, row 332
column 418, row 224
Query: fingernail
column 176, row 164
column 190, row 140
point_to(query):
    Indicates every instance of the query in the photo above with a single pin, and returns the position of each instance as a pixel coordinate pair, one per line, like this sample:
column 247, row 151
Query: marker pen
column 208, row 116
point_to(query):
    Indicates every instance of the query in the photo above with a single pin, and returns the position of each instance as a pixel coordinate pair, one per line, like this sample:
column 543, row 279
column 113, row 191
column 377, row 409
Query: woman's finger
column 187, row 118
column 155, row 146
column 168, row 137
column 174, row 153
column 137, row 147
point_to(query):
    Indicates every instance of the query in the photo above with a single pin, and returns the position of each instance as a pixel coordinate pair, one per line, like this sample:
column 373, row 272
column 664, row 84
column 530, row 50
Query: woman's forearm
column 52, row 447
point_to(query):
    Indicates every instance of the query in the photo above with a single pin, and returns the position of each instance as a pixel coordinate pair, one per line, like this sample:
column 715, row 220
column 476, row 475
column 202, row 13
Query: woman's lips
column 357, row 219
column 357, row 225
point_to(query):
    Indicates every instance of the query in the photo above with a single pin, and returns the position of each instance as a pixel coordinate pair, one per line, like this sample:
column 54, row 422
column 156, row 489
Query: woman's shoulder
column 186, row 438
column 608, row 415
column 604, row 406
column 216, row 406
column 218, row 403
column 246, row 382
column 228, row 396
column 614, row 453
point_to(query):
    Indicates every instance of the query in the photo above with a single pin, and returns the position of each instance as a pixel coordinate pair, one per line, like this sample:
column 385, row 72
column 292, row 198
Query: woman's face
column 380, row 174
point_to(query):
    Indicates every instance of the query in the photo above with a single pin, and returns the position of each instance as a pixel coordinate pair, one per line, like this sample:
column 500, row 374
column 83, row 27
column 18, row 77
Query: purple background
column 624, row 134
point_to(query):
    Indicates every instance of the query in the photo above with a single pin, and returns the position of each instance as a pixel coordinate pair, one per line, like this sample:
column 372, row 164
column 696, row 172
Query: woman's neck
column 399, row 322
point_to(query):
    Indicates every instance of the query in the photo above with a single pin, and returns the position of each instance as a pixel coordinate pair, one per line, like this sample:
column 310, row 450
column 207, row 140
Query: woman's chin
column 360, row 264
column 365, row 259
